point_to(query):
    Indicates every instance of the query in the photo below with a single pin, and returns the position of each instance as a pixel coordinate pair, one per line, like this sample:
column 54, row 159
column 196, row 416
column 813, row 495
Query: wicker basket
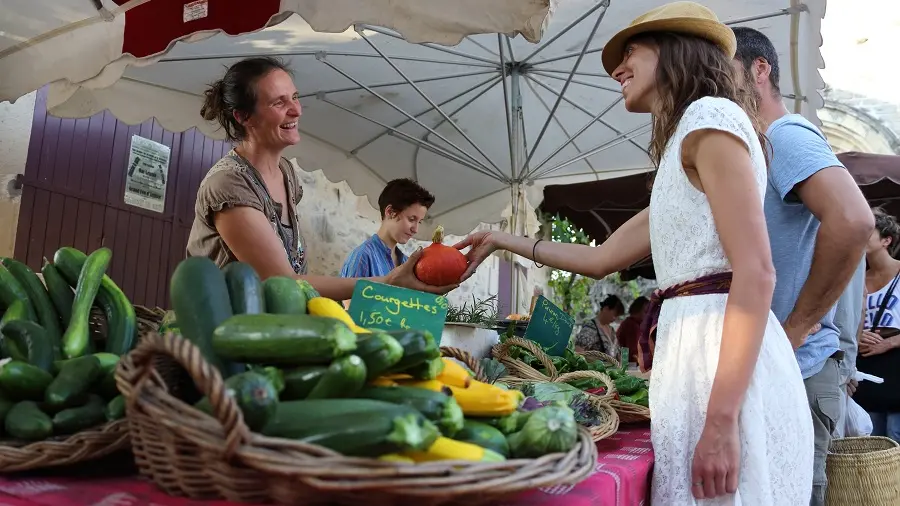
column 863, row 471
column 88, row 444
column 189, row 453
column 521, row 372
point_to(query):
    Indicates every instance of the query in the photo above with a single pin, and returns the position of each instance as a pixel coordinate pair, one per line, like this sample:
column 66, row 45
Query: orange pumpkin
column 440, row 265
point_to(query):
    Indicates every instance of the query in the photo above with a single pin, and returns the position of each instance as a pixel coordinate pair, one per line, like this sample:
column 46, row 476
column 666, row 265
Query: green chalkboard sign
column 386, row 307
column 549, row 326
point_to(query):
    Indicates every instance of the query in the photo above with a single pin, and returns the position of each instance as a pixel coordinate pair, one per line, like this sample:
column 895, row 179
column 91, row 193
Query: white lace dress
column 775, row 423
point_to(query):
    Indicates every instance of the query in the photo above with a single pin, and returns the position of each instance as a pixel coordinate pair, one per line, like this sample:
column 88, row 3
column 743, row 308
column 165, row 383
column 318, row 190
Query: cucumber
column 355, row 427
column 244, row 289
column 428, row 370
column 307, row 289
column 78, row 333
column 115, row 409
column 107, row 387
column 40, row 299
column 121, row 320
column 483, row 435
column 33, row 340
column 11, row 290
column 73, row 383
column 418, row 347
column 439, row 408
column 108, row 362
column 274, row 374
column 5, row 406
column 72, row 420
column 16, row 311
column 22, row 381
column 27, row 422
column 60, row 292
column 379, row 351
column 344, row 377
column 284, row 296
column 282, row 339
column 300, row 381
column 200, row 298
column 255, row 395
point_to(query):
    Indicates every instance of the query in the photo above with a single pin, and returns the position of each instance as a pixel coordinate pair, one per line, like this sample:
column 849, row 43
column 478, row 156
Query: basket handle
column 610, row 384
column 502, row 351
column 603, row 357
column 466, row 358
column 206, row 378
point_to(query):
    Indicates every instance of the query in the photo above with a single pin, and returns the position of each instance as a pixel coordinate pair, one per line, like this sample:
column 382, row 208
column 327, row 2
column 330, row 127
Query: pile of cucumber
column 298, row 367
column 54, row 380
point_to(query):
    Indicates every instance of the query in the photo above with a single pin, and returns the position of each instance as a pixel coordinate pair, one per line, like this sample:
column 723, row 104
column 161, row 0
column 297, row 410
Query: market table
column 621, row 478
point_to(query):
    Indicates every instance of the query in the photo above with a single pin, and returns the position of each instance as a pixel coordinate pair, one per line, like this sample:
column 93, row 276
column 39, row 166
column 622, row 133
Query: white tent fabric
column 479, row 124
column 46, row 40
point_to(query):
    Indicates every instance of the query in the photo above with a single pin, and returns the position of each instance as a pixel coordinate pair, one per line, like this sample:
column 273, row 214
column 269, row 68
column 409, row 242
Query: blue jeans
column 886, row 424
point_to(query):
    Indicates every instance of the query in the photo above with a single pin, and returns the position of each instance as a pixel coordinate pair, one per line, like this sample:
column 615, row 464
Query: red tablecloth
column 621, row 478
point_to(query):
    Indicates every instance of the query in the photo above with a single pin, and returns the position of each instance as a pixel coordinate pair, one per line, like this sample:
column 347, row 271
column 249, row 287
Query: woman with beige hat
column 731, row 424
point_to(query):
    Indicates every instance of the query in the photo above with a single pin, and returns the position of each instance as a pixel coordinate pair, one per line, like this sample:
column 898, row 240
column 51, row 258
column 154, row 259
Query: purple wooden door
column 73, row 195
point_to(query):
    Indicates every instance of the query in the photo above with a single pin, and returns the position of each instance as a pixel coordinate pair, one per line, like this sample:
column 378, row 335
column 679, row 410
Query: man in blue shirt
column 403, row 205
column 819, row 223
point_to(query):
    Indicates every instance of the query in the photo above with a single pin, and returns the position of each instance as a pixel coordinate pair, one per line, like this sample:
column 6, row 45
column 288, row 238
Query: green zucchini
column 5, row 406
column 60, row 292
column 27, row 422
column 22, row 381
column 115, row 409
column 121, row 320
column 244, row 289
column 483, row 435
column 344, row 377
column 438, row 407
column 428, row 370
column 354, row 427
column 12, row 290
column 16, row 311
column 107, row 387
column 78, row 333
column 418, row 346
column 33, row 340
column 299, row 382
column 284, row 296
column 379, row 351
column 200, row 299
column 74, row 382
column 282, row 339
column 43, row 307
column 72, row 420
column 307, row 289
column 255, row 395
column 108, row 362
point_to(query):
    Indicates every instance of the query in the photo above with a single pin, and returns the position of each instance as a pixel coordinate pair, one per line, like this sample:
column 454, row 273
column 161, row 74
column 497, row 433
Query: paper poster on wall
column 147, row 174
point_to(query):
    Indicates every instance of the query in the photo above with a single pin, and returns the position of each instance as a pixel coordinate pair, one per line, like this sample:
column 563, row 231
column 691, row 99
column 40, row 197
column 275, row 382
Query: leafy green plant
column 481, row 312
column 571, row 291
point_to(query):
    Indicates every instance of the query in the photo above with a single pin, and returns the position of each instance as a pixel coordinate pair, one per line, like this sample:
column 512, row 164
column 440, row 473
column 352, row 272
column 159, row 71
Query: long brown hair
column 689, row 69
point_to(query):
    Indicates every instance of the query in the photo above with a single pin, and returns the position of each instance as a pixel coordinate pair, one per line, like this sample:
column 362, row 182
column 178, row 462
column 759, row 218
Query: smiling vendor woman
column 246, row 205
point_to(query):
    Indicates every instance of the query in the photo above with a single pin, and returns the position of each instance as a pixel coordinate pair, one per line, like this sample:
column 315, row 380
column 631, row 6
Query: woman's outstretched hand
column 481, row 246
column 405, row 276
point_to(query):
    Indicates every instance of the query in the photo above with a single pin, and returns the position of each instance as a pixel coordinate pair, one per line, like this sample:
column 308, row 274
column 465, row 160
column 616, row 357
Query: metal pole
column 429, row 45
column 170, row 59
column 565, row 87
column 569, row 55
column 783, row 12
column 603, row 147
column 426, row 111
column 617, row 91
column 399, row 109
column 480, row 45
column 604, row 4
column 506, row 108
column 400, row 83
column 430, row 101
column 535, row 68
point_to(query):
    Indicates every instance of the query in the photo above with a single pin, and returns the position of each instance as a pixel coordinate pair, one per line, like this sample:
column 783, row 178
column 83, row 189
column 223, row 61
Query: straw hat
column 680, row 17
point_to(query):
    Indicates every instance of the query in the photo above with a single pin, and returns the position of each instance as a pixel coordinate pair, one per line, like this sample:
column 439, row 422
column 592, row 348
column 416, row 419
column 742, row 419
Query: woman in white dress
column 730, row 420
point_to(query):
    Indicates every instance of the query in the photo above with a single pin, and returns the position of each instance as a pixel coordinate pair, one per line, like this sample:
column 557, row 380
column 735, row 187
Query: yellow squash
column 481, row 399
column 323, row 306
column 433, row 385
column 448, row 449
column 454, row 374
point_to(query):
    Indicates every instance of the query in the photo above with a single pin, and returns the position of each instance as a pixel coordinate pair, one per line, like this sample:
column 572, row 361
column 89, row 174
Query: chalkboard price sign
column 549, row 326
column 386, row 307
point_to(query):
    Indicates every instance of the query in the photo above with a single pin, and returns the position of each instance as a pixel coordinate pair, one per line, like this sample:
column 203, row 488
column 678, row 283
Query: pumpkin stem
column 438, row 236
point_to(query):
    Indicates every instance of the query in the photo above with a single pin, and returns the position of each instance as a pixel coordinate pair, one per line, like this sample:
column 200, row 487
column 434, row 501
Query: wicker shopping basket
column 863, row 471
column 88, row 444
column 189, row 453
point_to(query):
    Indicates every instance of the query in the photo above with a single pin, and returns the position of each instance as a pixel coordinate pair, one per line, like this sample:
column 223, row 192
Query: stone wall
column 15, row 133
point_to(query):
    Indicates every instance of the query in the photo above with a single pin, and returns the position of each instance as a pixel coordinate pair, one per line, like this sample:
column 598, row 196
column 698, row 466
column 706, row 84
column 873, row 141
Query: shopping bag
column 857, row 422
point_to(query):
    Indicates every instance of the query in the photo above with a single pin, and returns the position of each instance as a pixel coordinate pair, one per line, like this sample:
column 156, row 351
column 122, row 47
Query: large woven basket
column 88, row 444
column 863, row 471
column 189, row 453
column 520, row 371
